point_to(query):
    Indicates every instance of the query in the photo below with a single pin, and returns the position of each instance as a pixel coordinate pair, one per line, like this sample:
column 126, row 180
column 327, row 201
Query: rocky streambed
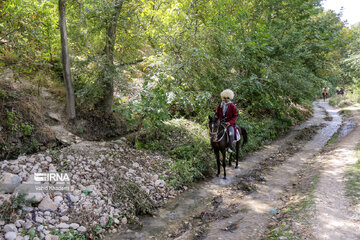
column 110, row 182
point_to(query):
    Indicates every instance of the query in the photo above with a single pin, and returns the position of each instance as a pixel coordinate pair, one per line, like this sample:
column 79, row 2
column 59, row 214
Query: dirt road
column 243, row 206
column 335, row 218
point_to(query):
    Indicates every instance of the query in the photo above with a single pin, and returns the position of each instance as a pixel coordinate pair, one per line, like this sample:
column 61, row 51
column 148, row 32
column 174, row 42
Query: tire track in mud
column 238, row 207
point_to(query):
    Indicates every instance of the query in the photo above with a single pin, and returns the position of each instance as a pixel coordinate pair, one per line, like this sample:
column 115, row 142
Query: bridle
column 214, row 135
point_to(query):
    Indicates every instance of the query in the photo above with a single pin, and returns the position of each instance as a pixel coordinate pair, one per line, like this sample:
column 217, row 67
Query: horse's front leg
column 224, row 161
column 217, row 155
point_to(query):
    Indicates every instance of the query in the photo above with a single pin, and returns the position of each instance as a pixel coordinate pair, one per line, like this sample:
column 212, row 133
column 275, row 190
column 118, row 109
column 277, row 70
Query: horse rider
column 325, row 92
column 227, row 111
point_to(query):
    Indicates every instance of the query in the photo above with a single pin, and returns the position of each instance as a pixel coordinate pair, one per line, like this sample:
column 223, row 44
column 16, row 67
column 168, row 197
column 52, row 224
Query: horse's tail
column 244, row 135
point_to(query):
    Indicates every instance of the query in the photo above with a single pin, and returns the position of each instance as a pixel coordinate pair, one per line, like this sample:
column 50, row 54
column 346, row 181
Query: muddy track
column 335, row 218
column 242, row 206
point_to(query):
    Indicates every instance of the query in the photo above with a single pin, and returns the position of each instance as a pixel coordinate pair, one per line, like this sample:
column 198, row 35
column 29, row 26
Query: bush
column 187, row 144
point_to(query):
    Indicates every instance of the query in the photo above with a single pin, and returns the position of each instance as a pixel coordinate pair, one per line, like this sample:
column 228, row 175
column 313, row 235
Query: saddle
column 237, row 133
column 237, row 136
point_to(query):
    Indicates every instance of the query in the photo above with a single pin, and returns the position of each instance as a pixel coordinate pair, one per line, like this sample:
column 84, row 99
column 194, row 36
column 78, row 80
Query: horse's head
column 213, row 126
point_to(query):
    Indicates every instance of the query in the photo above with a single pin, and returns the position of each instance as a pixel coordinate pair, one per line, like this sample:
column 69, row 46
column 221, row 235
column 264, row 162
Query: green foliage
column 15, row 126
column 70, row 235
column 148, row 110
column 260, row 131
column 31, row 38
column 187, row 144
column 26, row 129
column 274, row 55
column 271, row 53
column 3, row 94
column 11, row 120
column 29, row 147
column 14, row 208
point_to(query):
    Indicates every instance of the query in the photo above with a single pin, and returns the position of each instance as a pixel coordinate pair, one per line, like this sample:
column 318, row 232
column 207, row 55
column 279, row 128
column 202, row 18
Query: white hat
column 227, row 93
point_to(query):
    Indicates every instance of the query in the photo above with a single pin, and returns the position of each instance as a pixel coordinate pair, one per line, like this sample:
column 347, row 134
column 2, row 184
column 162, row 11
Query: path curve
column 268, row 196
column 241, row 216
column 335, row 219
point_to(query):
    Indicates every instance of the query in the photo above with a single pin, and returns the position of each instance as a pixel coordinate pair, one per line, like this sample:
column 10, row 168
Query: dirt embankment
column 23, row 127
column 33, row 118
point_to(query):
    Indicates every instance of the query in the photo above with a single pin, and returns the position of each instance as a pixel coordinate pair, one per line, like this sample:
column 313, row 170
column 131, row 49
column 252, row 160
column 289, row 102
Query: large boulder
column 8, row 182
column 35, row 197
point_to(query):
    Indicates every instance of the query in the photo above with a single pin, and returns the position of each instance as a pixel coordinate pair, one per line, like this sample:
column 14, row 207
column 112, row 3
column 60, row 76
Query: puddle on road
column 348, row 127
column 201, row 206
column 325, row 134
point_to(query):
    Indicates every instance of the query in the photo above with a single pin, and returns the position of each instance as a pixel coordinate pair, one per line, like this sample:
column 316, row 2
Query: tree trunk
column 70, row 97
column 108, row 85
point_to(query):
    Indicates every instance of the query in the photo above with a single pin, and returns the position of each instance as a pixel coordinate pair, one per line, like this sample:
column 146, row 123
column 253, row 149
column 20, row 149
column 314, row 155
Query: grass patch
column 282, row 233
column 352, row 177
column 296, row 214
column 334, row 138
column 301, row 203
column 343, row 101
column 346, row 113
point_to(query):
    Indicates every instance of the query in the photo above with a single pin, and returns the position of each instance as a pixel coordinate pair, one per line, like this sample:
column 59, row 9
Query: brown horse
column 219, row 141
column 325, row 93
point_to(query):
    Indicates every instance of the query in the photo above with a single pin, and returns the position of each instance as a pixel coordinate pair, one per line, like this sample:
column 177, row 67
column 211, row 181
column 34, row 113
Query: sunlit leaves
column 270, row 52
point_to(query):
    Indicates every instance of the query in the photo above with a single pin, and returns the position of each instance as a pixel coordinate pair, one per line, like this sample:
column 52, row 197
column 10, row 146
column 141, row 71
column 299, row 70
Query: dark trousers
column 231, row 135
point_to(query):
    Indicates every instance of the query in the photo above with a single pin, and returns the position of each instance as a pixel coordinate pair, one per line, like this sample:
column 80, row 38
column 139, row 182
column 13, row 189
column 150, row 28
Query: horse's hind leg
column 216, row 151
column 237, row 153
column 230, row 158
column 224, row 162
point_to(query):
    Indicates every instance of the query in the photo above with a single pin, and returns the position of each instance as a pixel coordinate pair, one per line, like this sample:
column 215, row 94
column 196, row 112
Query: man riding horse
column 227, row 112
column 325, row 93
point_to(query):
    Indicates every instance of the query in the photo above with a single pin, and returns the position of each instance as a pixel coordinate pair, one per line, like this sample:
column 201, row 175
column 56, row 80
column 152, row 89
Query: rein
column 217, row 133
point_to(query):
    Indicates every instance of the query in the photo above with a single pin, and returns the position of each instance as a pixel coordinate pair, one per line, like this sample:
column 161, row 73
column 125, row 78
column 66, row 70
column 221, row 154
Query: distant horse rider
column 325, row 93
column 342, row 91
column 227, row 111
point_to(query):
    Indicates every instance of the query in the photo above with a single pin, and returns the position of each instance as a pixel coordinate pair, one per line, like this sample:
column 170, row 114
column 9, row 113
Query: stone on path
column 47, row 203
